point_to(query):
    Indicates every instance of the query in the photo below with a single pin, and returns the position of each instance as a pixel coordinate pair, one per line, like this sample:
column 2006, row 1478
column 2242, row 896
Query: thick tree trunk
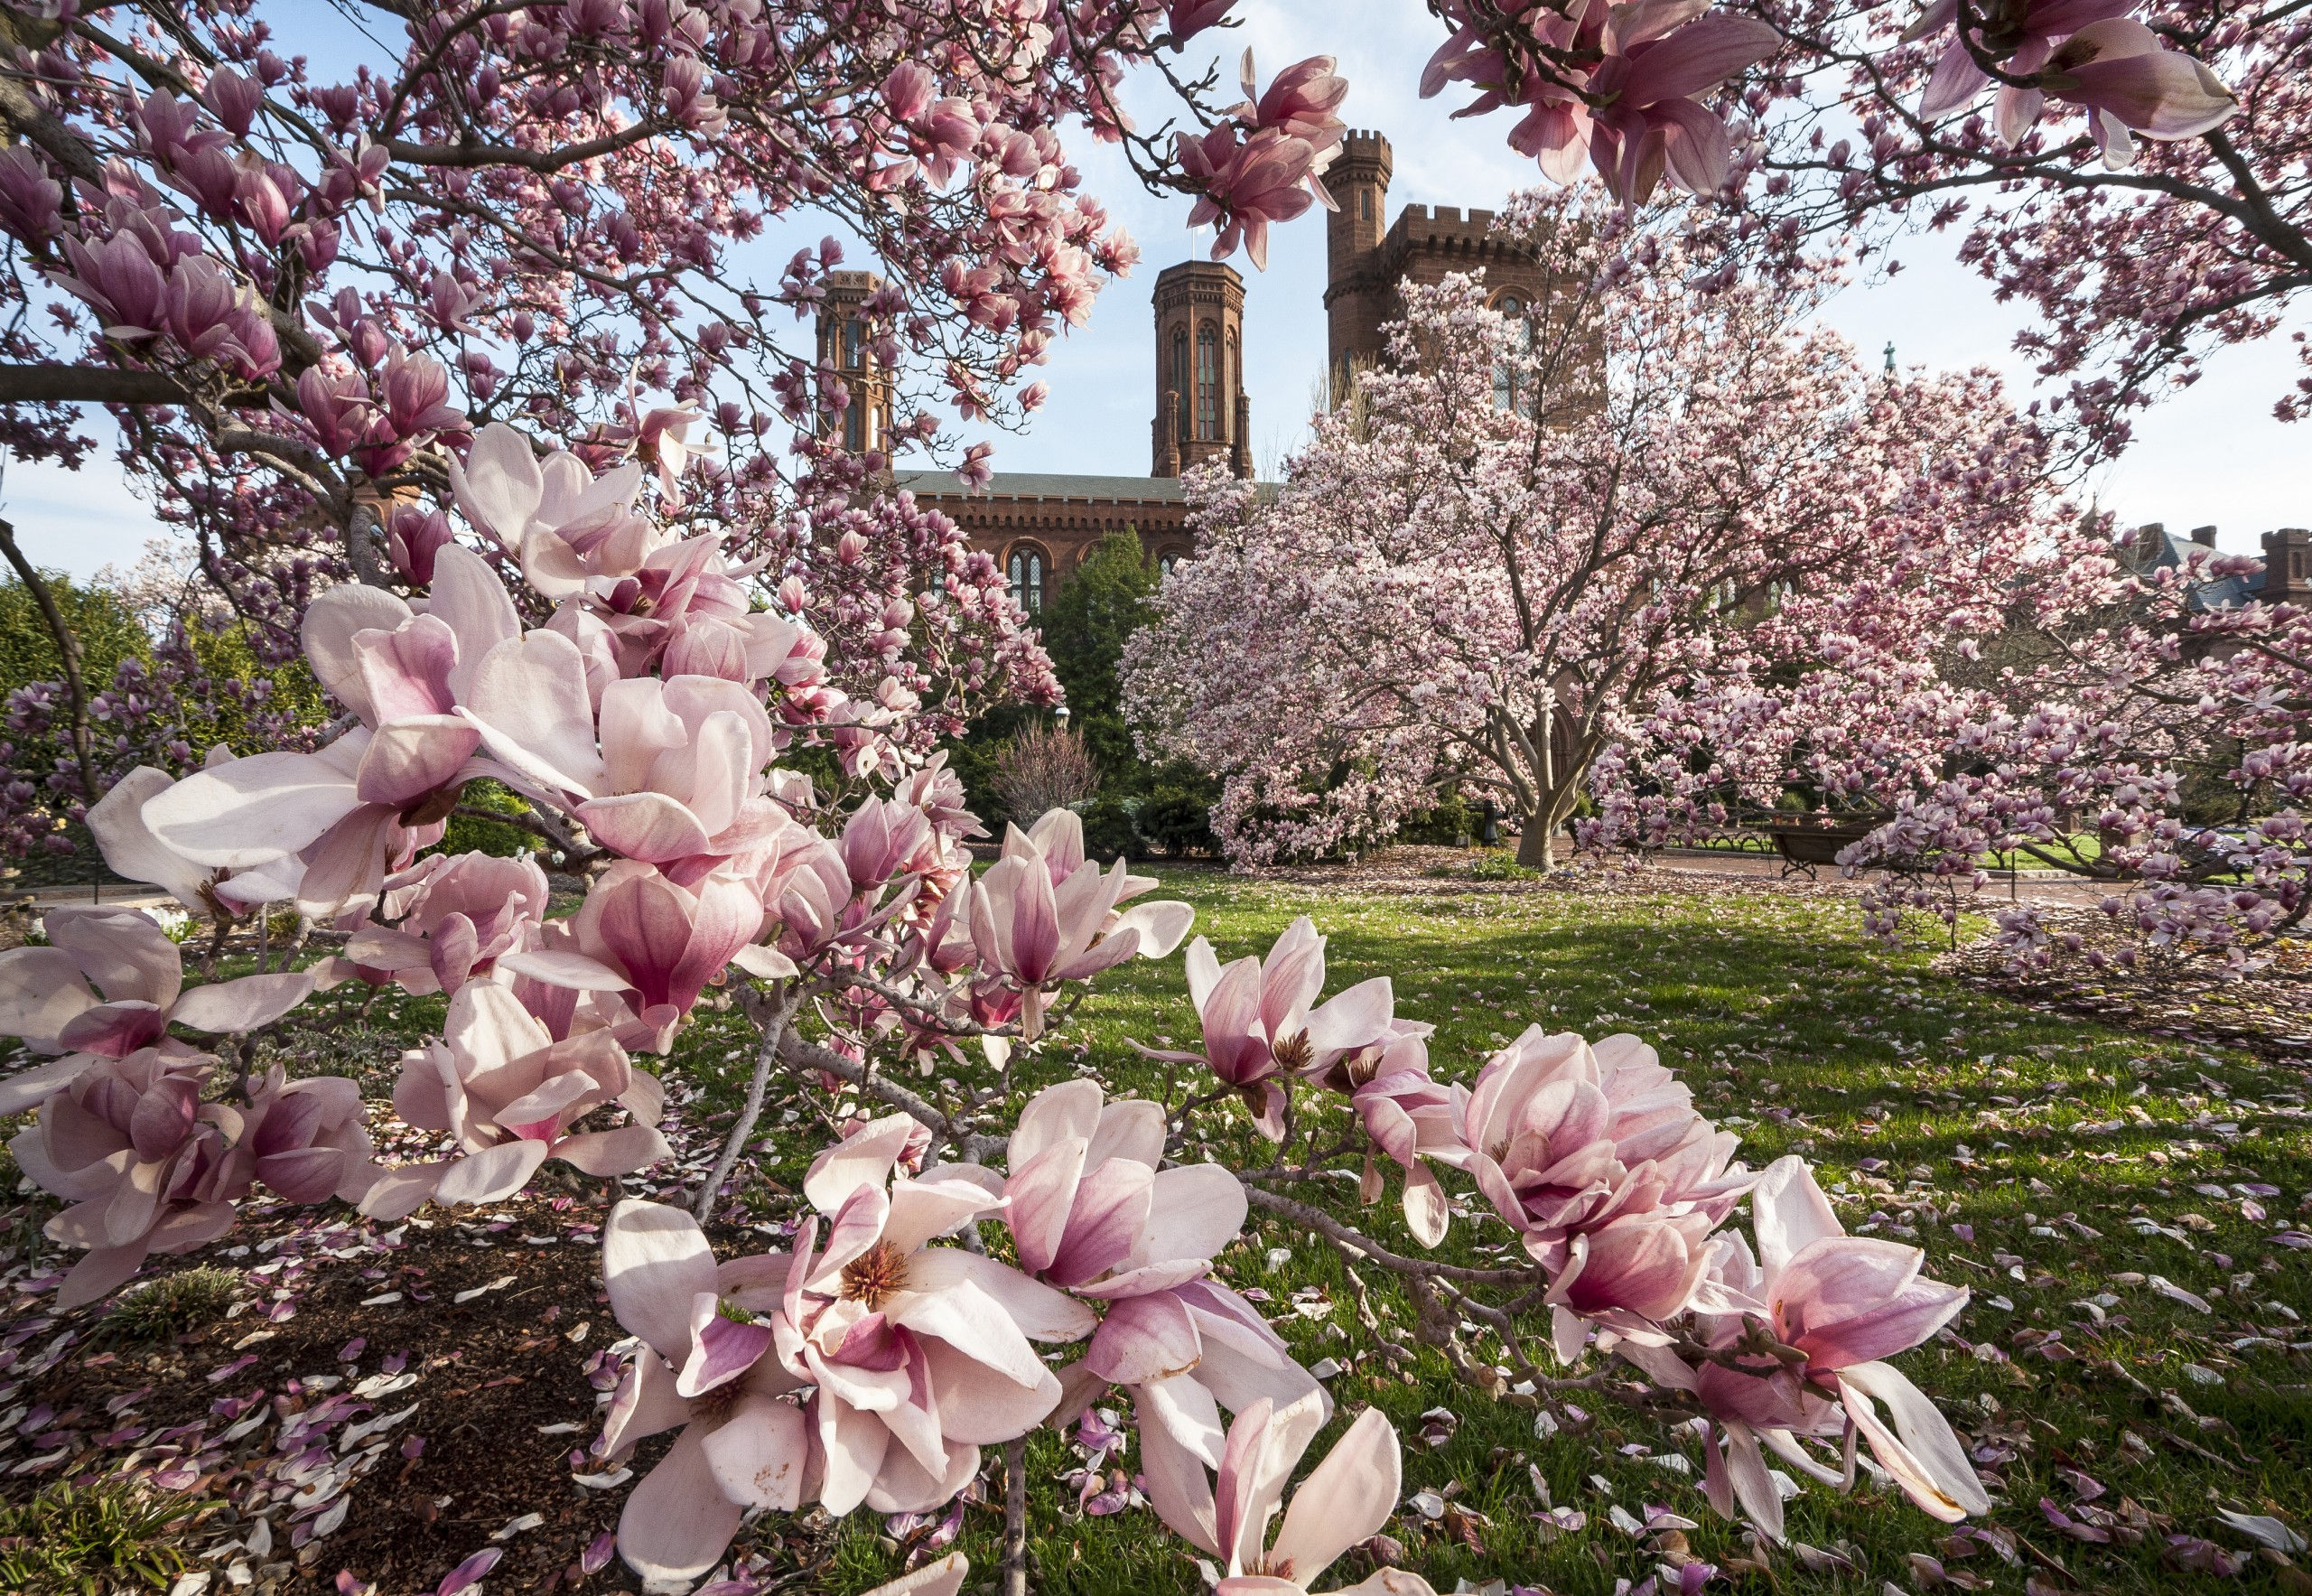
column 1537, row 844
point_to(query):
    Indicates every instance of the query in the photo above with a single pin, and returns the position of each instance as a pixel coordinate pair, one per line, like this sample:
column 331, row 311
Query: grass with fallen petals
column 2058, row 1168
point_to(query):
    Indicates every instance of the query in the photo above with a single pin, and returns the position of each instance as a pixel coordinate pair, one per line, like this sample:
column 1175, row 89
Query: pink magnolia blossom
column 743, row 1442
column 1347, row 1499
column 1259, row 1021
column 368, row 801
column 50, row 997
column 920, row 1354
column 454, row 916
column 647, row 946
column 513, row 1096
column 1043, row 914
column 307, row 1139
column 1245, row 184
column 1188, row 18
column 561, row 521
column 1598, row 1158
column 1652, row 119
column 1408, row 1115
column 2091, row 53
column 146, row 1165
column 1090, row 1212
column 1800, row 1334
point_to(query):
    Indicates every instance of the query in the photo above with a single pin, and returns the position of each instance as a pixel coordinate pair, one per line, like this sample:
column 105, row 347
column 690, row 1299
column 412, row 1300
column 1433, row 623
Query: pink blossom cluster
column 871, row 1370
column 1619, row 1191
column 1619, row 85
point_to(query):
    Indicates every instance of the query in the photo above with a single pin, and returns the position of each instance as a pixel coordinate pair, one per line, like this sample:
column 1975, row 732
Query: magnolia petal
column 491, row 1175
column 1934, row 1471
column 1348, row 1498
column 1701, row 55
column 621, row 1151
column 648, row 826
column 1041, row 1313
column 645, row 1404
column 654, row 1262
column 1041, row 1193
column 498, row 485
column 863, row 1160
column 335, row 617
column 117, row 823
column 975, row 1411
column 100, row 1272
column 1160, row 925
column 943, row 1578
column 41, row 992
column 1131, row 1129
column 924, row 1209
column 530, row 702
column 1143, row 1340
column 1194, row 1211
column 1178, row 1487
column 468, row 597
column 575, row 971
column 251, row 811
column 400, row 1192
column 1788, row 1211
column 975, row 1325
column 677, row 1523
column 1071, row 1108
column 230, row 1008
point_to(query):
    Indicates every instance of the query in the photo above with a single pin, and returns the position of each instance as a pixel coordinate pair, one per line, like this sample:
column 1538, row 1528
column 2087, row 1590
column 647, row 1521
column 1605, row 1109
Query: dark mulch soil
column 493, row 1373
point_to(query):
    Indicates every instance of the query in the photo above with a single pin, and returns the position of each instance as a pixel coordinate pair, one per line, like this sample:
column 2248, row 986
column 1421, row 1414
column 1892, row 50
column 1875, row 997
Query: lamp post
column 1059, row 717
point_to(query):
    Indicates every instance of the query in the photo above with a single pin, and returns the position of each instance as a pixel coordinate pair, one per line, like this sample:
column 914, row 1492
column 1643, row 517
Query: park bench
column 1807, row 845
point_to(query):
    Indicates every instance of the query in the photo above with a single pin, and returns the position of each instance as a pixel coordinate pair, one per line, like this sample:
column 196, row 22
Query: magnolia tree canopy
column 1496, row 564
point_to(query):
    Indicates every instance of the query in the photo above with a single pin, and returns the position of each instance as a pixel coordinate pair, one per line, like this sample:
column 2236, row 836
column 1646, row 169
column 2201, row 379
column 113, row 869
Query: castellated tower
column 1359, row 296
column 1202, row 410
column 846, row 354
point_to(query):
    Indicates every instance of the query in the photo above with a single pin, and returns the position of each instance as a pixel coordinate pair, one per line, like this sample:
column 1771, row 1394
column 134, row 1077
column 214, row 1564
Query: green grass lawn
column 1931, row 1112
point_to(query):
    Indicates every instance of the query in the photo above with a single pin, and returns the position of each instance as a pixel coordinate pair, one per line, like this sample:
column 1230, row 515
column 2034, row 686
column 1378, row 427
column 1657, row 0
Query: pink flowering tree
column 302, row 293
column 2127, row 722
column 1496, row 568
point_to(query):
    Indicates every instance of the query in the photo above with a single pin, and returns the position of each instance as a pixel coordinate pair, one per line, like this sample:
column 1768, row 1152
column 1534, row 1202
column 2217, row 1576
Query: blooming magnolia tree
column 1496, row 565
column 303, row 294
column 2135, row 726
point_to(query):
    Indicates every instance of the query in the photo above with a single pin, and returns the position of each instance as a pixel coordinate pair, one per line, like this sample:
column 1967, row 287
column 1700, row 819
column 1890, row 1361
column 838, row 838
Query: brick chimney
column 2205, row 536
column 2142, row 547
column 2288, row 566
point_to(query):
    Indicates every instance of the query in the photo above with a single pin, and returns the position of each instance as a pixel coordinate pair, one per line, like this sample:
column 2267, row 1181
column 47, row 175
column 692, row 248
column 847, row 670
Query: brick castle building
column 1039, row 526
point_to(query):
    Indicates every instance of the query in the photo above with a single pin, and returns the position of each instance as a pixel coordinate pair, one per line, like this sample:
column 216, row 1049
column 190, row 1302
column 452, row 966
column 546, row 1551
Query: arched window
column 1026, row 569
column 1181, row 388
column 1207, row 382
column 859, row 418
column 1364, row 205
column 1512, row 383
column 1232, row 382
column 1167, row 560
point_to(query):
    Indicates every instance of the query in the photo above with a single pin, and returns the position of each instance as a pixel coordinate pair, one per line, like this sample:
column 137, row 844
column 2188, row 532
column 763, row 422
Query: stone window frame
column 1028, row 571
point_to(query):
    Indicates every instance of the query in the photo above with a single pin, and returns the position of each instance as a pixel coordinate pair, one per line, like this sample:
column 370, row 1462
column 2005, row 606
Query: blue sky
column 2212, row 453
